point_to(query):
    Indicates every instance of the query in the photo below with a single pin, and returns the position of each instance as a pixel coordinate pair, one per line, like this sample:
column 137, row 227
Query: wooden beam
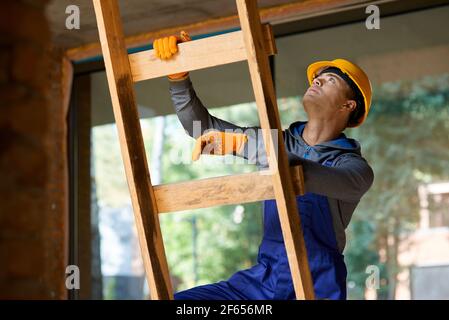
column 235, row 189
column 82, row 99
column 276, row 14
column 278, row 163
column 66, row 82
column 66, row 92
column 194, row 55
column 132, row 147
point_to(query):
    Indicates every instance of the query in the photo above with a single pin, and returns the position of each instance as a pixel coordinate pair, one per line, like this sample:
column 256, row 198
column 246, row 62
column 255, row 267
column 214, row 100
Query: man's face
column 326, row 97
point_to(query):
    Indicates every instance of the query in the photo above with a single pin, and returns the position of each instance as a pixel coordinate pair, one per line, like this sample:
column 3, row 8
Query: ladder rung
column 199, row 54
column 234, row 189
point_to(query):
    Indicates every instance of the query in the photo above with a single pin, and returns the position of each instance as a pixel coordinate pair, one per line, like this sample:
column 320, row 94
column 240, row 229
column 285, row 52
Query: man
column 335, row 173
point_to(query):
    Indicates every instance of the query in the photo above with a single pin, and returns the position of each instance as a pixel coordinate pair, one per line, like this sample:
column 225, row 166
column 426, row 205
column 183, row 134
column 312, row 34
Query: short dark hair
column 359, row 110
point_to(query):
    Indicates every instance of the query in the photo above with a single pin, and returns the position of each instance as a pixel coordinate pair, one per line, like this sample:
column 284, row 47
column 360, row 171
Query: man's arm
column 190, row 109
column 348, row 180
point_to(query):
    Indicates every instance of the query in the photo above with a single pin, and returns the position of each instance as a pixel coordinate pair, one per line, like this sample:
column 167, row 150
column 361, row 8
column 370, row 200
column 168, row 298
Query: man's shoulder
column 349, row 159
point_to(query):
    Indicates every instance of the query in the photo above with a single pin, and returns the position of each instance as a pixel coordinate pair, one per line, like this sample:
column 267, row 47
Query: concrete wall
column 33, row 157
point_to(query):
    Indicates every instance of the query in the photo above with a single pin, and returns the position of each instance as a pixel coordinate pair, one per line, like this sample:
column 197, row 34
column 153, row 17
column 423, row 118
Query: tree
column 405, row 139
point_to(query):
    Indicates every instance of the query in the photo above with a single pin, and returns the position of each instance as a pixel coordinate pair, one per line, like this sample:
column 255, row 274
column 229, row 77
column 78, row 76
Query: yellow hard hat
column 354, row 72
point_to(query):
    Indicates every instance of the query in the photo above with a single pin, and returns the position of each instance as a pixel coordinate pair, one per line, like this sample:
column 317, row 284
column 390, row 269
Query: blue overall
column 270, row 278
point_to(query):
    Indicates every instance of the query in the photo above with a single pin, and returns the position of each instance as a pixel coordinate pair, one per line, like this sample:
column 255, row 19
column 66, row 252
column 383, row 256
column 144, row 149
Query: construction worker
column 336, row 177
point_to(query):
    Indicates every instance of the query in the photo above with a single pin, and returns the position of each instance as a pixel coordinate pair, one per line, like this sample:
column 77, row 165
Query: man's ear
column 350, row 105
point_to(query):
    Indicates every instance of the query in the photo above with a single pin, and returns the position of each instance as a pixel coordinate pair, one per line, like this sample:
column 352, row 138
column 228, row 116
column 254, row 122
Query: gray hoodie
column 344, row 183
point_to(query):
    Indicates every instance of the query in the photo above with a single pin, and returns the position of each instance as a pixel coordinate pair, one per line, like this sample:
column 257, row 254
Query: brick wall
column 33, row 160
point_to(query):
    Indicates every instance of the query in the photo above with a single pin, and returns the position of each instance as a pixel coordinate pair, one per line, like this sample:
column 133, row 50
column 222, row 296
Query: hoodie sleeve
column 192, row 114
column 196, row 119
column 348, row 180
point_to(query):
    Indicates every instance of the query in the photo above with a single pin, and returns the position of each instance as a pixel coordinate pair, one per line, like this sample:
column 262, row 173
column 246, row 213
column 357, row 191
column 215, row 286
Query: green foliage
column 405, row 140
column 109, row 290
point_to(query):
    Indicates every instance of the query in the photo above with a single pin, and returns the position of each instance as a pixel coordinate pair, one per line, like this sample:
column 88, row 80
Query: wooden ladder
column 253, row 43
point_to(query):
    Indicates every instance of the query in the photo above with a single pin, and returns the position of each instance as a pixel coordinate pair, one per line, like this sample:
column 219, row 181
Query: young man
column 335, row 173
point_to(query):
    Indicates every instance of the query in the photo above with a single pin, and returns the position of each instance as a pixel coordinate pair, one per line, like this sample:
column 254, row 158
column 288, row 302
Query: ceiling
column 140, row 16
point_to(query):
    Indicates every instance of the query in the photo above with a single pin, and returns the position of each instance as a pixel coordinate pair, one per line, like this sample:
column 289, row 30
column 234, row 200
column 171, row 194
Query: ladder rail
column 278, row 162
column 124, row 105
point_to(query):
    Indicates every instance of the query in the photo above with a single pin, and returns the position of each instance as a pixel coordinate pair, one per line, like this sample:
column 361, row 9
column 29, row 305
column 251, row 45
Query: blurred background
column 65, row 200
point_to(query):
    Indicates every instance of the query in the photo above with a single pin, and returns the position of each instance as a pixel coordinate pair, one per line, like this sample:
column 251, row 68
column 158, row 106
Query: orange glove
column 219, row 143
column 166, row 47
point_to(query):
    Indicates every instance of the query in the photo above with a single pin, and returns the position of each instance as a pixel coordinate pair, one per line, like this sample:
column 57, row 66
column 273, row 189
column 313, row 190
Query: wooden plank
column 194, row 55
column 235, row 189
column 132, row 147
column 278, row 161
column 66, row 82
column 270, row 42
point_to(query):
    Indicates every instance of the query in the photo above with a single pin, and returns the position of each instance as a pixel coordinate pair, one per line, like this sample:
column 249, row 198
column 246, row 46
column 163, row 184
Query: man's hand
column 219, row 143
column 166, row 47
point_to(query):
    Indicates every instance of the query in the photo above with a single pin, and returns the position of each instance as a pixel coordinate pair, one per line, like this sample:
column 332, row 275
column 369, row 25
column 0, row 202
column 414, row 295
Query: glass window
column 405, row 139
